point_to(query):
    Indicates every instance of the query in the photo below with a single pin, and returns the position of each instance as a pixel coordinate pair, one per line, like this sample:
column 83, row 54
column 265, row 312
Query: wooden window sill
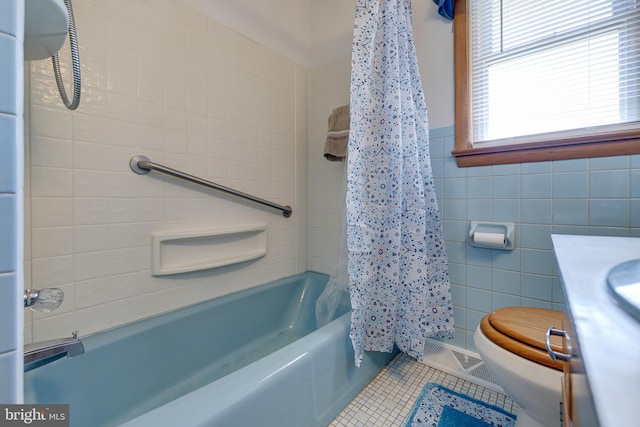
column 617, row 144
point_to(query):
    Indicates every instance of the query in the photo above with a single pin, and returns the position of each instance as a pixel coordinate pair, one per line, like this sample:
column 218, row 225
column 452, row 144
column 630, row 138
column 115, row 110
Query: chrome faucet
column 42, row 353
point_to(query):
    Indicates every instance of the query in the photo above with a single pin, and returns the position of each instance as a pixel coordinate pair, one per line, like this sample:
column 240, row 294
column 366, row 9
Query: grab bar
column 142, row 165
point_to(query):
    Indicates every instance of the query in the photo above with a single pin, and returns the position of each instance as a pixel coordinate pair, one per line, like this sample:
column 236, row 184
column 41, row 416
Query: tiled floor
column 388, row 399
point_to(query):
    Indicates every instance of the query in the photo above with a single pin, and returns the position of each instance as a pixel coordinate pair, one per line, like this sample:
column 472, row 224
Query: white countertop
column 608, row 336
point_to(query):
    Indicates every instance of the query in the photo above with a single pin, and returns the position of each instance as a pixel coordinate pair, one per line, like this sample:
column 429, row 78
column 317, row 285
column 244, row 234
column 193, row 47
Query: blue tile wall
column 11, row 68
column 599, row 196
column 8, row 221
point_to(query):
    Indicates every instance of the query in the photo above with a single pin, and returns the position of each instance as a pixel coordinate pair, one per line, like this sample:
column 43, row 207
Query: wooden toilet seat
column 521, row 330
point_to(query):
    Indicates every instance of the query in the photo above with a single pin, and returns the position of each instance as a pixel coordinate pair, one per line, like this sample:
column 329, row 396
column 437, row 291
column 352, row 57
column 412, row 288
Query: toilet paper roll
column 494, row 240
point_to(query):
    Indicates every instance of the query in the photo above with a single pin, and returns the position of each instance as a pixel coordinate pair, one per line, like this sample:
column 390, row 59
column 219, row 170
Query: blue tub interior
column 131, row 370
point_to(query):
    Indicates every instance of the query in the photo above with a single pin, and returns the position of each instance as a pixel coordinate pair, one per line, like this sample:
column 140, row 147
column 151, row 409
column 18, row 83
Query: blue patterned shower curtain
column 399, row 282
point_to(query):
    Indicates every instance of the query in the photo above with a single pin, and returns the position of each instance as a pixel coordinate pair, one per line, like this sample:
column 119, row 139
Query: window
column 544, row 80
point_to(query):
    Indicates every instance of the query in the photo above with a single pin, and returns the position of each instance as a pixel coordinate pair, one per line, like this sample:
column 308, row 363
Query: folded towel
column 335, row 148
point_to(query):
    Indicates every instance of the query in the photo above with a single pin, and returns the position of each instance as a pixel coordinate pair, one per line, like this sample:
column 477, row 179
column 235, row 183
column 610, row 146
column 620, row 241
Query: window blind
column 545, row 69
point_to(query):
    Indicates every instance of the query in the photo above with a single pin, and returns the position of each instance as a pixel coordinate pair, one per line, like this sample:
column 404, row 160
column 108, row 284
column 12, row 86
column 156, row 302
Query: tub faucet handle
column 46, row 300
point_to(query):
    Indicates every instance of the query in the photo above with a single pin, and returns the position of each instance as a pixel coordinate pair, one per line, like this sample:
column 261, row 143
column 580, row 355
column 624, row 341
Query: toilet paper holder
column 492, row 235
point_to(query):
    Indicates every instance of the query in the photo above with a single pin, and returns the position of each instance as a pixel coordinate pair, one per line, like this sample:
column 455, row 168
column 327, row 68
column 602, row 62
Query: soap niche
column 185, row 251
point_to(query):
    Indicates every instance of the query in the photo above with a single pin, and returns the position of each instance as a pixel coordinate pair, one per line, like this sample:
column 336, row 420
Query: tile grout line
column 388, row 399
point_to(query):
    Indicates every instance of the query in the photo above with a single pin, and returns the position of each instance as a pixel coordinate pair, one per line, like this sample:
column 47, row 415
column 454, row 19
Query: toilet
column 511, row 342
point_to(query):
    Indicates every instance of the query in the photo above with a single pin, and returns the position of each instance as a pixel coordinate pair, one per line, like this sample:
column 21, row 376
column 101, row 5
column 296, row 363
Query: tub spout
column 42, row 353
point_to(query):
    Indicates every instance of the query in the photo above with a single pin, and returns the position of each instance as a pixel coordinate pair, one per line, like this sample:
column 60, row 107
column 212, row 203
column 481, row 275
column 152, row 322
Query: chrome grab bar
column 142, row 165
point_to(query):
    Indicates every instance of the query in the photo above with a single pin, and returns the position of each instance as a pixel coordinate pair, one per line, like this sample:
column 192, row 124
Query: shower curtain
column 337, row 288
column 399, row 282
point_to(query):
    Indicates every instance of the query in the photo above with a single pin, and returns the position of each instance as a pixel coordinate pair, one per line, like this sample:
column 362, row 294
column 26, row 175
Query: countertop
column 608, row 336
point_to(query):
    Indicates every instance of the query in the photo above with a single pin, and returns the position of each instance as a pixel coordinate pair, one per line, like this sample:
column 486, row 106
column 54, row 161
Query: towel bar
column 142, row 165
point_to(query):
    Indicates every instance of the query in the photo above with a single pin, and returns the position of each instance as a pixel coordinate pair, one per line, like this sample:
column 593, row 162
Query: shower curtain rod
column 142, row 165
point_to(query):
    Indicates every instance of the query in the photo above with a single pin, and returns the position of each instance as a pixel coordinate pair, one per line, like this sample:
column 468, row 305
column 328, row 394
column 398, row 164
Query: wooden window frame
column 595, row 145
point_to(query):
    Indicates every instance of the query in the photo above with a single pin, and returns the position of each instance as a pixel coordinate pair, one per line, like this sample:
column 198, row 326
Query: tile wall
column 11, row 237
column 163, row 80
column 329, row 89
column 599, row 196
column 166, row 81
column 584, row 196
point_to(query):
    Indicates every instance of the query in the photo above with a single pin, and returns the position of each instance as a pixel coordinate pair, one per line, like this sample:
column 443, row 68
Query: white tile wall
column 329, row 89
column 11, row 236
column 168, row 82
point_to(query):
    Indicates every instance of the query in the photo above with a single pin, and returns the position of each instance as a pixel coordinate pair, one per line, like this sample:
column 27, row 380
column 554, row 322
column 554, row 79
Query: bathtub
column 251, row 358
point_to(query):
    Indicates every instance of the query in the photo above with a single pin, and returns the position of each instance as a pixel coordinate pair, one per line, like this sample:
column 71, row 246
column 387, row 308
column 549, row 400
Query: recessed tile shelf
column 185, row 251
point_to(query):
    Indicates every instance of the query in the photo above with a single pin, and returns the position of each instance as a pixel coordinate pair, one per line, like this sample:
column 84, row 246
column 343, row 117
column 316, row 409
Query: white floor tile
column 388, row 399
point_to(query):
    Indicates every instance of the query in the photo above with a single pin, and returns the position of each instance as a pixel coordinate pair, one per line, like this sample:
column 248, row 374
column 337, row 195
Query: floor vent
column 460, row 362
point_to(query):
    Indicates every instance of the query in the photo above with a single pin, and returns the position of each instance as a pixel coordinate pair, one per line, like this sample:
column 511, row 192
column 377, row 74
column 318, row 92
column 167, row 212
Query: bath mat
column 438, row 406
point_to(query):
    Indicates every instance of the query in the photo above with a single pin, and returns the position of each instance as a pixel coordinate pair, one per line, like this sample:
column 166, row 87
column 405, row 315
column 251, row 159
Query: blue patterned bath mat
column 438, row 406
